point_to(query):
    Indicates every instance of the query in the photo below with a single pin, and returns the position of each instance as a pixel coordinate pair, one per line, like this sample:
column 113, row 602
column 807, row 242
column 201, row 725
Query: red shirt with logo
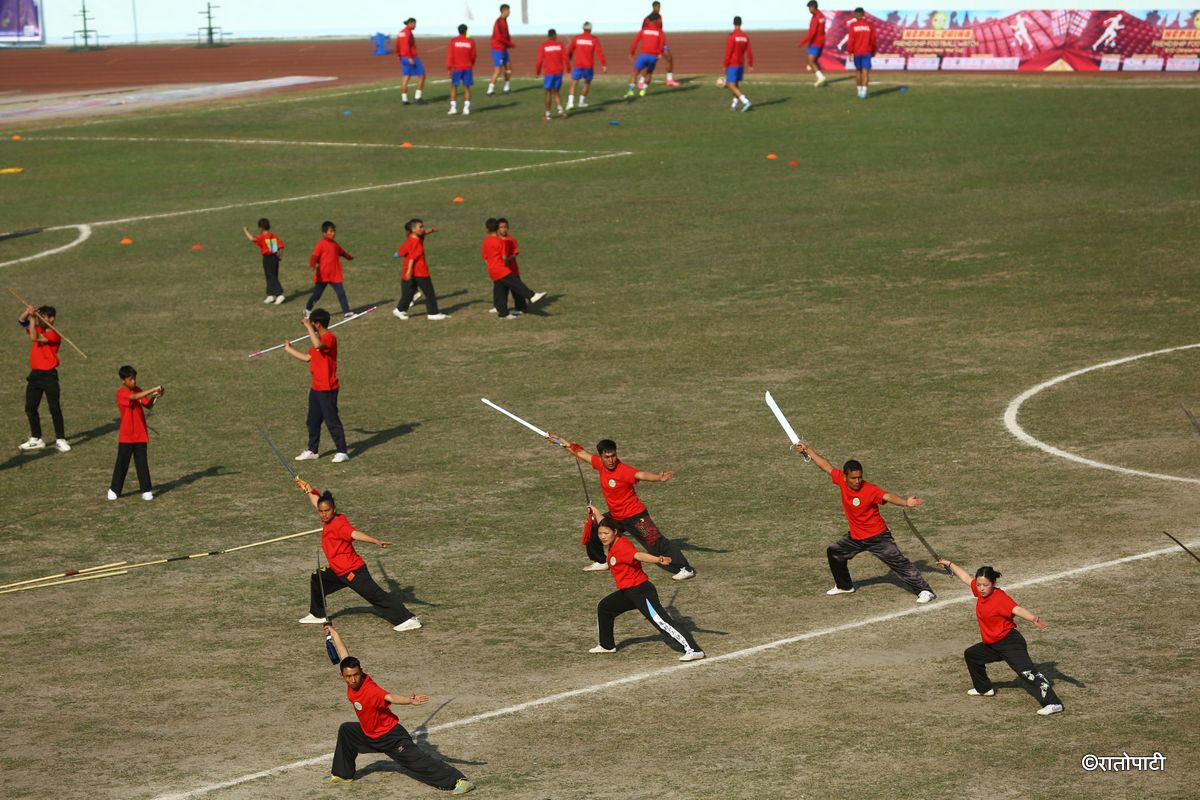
column 374, row 711
column 133, row 417
column 406, row 44
column 338, row 546
column 626, row 570
column 460, row 54
column 737, row 50
column 44, row 355
column 584, row 50
column 816, row 31
column 861, row 507
column 511, row 249
column 493, row 256
column 995, row 613
column 862, row 37
column 413, row 250
column 651, row 41
column 327, row 258
column 500, row 38
column 268, row 243
column 617, row 486
column 322, row 363
column 552, row 59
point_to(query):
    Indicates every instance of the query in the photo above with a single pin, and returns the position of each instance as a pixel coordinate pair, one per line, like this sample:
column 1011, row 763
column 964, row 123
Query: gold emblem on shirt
column 855, row 502
column 612, row 484
column 357, row 706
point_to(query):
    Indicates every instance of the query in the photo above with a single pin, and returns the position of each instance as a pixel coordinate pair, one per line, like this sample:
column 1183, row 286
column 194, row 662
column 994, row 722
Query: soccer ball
column 721, row 82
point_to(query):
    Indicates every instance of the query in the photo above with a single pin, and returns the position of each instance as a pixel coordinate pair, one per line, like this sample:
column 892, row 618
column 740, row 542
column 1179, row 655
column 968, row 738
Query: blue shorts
column 552, row 81
column 581, row 74
column 862, row 62
column 499, row 58
column 734, row 74
column 412, row 67
column 645, row 62
column 462, row 77
column 813, row 50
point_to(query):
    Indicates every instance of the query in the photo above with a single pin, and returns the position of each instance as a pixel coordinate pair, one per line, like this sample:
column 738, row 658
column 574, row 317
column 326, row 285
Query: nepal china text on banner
column 1141, row 41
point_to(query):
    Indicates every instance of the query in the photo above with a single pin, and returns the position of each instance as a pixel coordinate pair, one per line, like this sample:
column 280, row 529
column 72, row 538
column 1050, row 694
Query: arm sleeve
column 838, row 477
column 595, row 462
column 315, row 257
column 749, row 55
column 728, row 52
column 600, row 54
column 636, row 41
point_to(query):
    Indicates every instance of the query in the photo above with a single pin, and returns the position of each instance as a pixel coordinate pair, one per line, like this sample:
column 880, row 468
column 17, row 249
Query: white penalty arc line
column 85, row 232
column 297, row 143
column 708, row 662
column 1014, row 427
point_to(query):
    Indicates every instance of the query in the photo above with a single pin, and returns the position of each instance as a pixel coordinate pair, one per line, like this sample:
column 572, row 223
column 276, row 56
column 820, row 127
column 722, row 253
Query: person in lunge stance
column 868, row 530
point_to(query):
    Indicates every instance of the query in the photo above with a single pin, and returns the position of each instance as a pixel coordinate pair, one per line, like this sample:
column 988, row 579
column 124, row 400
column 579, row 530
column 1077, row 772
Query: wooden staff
column 47, row 323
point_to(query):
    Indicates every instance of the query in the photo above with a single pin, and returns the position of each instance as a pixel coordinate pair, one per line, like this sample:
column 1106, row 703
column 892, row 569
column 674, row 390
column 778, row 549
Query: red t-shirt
column 626, row 570
column 44, row 355
column 816, row 31
column 268, row 243
column 374, row 711
column 862, row 37
column 413, row 250
column 617, row 486
column 737, row 49
column 322, row 363
column 500, row 37
column 133, row 418
column 551, row 58
column 511, row 249
column 585, row 49
column 493, row 256
column 651, row 40
column 406, row 44
column 995, row 613
column 327, row 258
column 861, row 507
column 460, row 54
column 338, row 545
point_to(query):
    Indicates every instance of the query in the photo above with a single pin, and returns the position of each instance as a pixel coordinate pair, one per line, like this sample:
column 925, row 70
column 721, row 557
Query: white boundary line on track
column 643, row 676
column 85, row 232
column 295, row 143
column 1014, row 427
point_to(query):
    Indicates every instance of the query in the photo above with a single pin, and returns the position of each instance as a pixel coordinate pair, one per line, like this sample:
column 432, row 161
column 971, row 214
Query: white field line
column 85, row 231
column 708, row 662
column 1014, row 427
column 296, row 143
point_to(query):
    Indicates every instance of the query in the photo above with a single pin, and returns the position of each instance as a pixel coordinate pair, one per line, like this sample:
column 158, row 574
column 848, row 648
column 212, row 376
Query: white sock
column 453, row 105
column 582, row 101
column 734, row 103
column 820, row 75
column 670, row 76
column 571, row 100
column 404, row 97
column 466, row 105
column 745, row 100
column 506, row 84
column 417, row 95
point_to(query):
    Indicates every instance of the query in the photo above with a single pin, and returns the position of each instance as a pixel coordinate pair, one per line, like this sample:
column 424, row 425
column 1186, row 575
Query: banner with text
column 21, row 22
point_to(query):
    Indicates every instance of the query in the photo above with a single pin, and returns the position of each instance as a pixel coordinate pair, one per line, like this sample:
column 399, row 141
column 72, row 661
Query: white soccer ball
column 721, row 82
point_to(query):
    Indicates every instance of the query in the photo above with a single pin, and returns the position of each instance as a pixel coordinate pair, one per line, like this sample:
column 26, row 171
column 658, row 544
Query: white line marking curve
column 85, row 232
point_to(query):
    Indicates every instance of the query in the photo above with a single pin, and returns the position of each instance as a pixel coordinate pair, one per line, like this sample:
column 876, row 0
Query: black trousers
column 595, row 549
column 323, row 407
column 319, row 289
column 136, row 451
column 398, row 745
column 642, row 528
column 43, row 382
column 883, row 547
column 501, row 288
column 518, row 301
column 1013, row 650
column 271, row 273
column 408, row 290
column 643, row 597
column 360, row 580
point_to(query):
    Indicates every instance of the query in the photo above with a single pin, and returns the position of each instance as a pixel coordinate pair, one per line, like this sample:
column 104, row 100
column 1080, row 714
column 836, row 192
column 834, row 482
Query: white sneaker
column 279, row 299
column 112, row 495
column 596, row 566
column 437, row 316
column 452, row 111
column 926, row 596
column 516, row 313
column 31, row 444
column 466, row 112
column 989, row 693
column 491, row 89
column 410, row 624
column 270, row 299
column 599, row 649
column 695, row 655
column 819, row 81
column 341, row 458
column 508, row 316
column 684, row 574
column 536, row 296
column 147, row 495
column 61, row 445
column 307, row 455
column 307, row 313
column 398, row 314
column 349, row 315
column 493, row 310
column 309, row 619
column 836, row 590
column 1053, row 708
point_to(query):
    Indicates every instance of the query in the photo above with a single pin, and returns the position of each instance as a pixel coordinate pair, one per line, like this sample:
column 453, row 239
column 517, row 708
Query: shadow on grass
column 774, row 102
column 539, row 310
column 377, row 438
column 187, row 480
column 484, row 109
column 1049, row 669
column 888, row 90
column 405, row 594
column 22, row 459
column 420, row 301
column 681, row 620
column 459, row 306
column 684, row 544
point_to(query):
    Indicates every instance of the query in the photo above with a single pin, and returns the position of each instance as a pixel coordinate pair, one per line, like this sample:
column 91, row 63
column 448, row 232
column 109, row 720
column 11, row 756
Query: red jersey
column 511, row 249
column 861, row 40
column 584, row 50
column 551, row 57
column 651, row 40
column 500, row 38
column 460, row 54
column 268, row 243
column 133, row 418
column 995, row 613
column 626, row 570
column 44, row 355
column 493, row 256
column 327, row 258
column 737, row 50
column 861, row 507
column 646, row 23
column 374, row 711
column 338, row 546
column 322, row 363
column 617, row 485
column 413, row 250
column 406, row 44
column 816, row 31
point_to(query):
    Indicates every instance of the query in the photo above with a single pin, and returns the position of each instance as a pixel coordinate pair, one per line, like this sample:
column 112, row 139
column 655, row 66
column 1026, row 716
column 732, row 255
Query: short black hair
column 812, row 3
column 504, row 6
column 986, row 571
column 349, row 662
column 502, row 220
column 264, row 223
column 492, row 224
column 410, row 21
column 48, row 311
column 326, row 497
column 462, row 29
column 328, row 225
column 552, row 33
column 606, row 446
column 737, row 22
column 127, row 372
column 319, row 317
column 412, row 223
column 852, row 465
column 859, row 10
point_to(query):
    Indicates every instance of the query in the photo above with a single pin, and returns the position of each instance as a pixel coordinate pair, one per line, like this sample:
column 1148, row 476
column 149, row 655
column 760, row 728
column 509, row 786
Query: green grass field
column 933, row 254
